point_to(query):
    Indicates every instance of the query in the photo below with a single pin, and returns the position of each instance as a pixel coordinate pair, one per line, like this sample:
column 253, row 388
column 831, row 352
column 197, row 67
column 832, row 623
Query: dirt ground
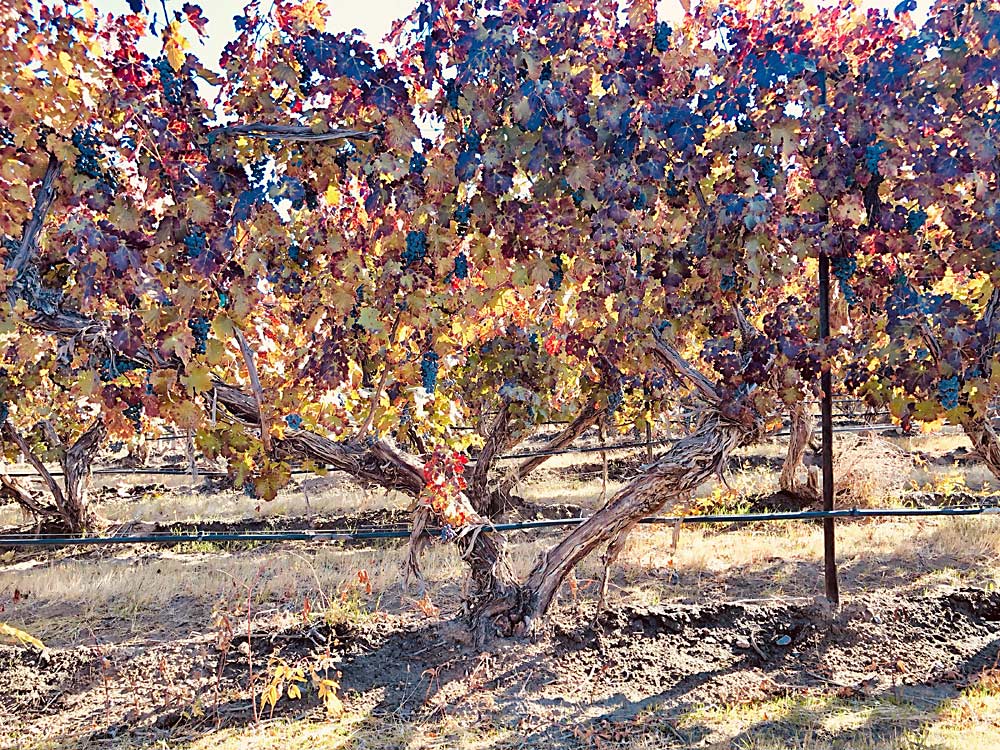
column 722, row 643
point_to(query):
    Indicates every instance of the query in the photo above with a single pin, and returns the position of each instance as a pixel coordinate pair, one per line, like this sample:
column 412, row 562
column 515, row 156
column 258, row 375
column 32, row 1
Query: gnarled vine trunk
column 801, row 425
column 671, row 478
column 69, row 507
column 985, row 441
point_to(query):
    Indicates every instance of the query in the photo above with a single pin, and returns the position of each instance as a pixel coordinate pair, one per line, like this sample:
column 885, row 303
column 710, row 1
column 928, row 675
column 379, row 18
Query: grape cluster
column 615, row 400
column 112, row 369
column 948, row 392
column 195, row 243
column 843, row 269
column 662, row 39
column 557, row 273
column 915, row 220
column 416, row 247
column 463, row 212
column 418, row 163
column 294, row 422
column 133, row 413
column 461, row 266
column 4, row 413
column 451, row 92
column 728, row 282
column 88, row 162
column 172, row 85
column 199, row 327
column 305, row 72
column 429, row 371
column 250, row 489
column 873, row 155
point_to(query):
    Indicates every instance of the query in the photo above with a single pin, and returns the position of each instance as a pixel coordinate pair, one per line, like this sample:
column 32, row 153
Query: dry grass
column 870, row 470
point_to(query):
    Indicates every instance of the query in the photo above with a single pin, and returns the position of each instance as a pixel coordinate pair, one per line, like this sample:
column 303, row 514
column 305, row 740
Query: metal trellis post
column 826, row 384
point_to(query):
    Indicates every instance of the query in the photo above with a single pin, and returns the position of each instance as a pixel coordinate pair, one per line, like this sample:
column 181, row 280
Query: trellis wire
column 55, row 540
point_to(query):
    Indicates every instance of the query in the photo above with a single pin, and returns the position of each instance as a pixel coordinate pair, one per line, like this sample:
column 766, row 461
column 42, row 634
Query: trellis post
column 826, row 404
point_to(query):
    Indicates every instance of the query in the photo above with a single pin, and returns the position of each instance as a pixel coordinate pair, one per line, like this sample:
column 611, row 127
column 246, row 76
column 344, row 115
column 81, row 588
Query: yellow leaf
column 199, row 208
column 20, row 636
column 198, row 379
column 294, row 692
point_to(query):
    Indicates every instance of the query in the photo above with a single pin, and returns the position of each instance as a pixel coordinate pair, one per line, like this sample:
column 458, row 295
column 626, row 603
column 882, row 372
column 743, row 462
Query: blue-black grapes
column 172, row 85
column 452, row 91
column 728, row 282
column 948, row 392
column 199, row 327
column 195, row 243
column 88, row 162
column 418, row 163
column 915, row 220
column 416, row 247
column 294, row 421
column 134, row 414
column 843, row 269
column 110, row 370
column 557, row 273
column 615, row 400
column 461, row 266
column 662, row 39
column 429, row 371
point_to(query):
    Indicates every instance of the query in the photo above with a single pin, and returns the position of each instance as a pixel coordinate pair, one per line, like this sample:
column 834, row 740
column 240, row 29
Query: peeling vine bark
column 801, row 425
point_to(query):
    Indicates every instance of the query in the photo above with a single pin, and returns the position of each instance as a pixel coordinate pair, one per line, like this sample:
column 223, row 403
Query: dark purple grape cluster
column 915, row 220
column 463, row 212
column 111, row 369
column 199, row 327
column 873, row 155
column 195, row 243
column 172, row 85
column 461, row 266
column 728, row 282
column 557, row 273
column 451, row 92
column 662, row 39
column 948, row 389
column 615, row 400
column 416, row 247
column 418, row 163
column 294, row 422
column 89, row 161
column 429, row 371
column 844, row 267
column 134, row 414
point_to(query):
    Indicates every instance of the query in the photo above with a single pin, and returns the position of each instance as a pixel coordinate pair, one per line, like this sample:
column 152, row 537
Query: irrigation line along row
column 308, row 535
column 506, row 457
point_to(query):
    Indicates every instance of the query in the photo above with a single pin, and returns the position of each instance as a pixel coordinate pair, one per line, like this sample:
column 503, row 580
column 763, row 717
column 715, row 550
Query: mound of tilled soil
column 577, row 673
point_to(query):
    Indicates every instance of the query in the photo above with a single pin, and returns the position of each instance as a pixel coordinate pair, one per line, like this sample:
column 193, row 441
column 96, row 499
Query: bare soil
column 578, row 676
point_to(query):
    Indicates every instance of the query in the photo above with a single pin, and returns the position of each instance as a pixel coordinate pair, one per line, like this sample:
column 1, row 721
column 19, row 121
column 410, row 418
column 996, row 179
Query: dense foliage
column 323, row 249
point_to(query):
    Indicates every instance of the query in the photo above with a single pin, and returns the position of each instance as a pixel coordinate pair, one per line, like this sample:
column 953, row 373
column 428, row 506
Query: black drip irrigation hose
column 24, row 540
